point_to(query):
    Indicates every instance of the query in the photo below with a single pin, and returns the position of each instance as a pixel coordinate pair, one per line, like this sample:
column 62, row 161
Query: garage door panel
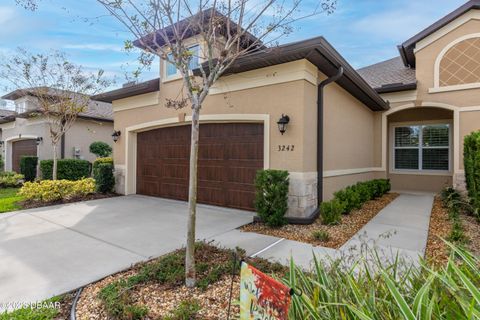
column 229, row 157
column 22, row 148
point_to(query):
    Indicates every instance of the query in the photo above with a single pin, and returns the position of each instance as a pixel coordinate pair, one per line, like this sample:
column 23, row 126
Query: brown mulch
column 65, row 306
column 471, row 227
column 162, row 299
column 440, row 226
column 30, row 204
column 338, row 234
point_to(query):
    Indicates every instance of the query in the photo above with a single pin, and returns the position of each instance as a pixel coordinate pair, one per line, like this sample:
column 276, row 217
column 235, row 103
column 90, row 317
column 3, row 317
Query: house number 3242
column 288, row 147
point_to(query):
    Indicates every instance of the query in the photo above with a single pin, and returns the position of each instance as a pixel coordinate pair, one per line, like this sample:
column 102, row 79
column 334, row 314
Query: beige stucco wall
column 461, row 106
column 83, row 133
column 350, row 127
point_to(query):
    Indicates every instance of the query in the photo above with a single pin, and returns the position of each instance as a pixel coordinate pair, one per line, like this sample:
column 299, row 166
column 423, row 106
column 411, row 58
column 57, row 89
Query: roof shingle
column 388, row 73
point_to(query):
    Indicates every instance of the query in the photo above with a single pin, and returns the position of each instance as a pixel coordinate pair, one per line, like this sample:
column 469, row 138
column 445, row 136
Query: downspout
column 321, row 86
column 314, row 215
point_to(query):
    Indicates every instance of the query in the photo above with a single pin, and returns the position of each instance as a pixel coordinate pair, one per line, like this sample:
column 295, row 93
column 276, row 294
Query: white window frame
column 166, row 76
column 420, row 170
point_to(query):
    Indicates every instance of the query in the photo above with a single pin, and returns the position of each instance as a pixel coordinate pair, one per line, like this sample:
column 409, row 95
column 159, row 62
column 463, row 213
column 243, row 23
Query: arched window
column 460, row 64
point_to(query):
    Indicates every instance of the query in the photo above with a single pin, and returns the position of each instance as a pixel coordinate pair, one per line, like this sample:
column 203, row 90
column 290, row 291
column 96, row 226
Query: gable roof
column 389, row 75
column 154, row 39
column 406, row 49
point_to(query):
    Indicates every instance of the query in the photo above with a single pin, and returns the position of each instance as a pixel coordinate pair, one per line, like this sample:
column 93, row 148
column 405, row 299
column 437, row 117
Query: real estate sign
column 262, row 297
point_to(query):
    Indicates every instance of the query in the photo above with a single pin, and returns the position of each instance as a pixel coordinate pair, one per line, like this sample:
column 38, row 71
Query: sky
column 363, row 31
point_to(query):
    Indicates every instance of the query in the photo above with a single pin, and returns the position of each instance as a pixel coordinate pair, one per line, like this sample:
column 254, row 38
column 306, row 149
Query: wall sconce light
column 39, row 140
column 282, row 123
column 115, row 135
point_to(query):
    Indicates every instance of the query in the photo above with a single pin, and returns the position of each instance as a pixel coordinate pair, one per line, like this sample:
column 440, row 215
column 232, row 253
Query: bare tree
column 60, row 90
column 228, row 30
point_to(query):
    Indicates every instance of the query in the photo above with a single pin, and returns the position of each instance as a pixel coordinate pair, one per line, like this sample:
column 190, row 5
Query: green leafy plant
column 54, row 190
column 28, row 167
column 271, row 200
column 119, row 304
column 10, row 179
column 104, row 178
column 186, row 310
column 450, row 196
column 100, row 149
column 2, row 164
column 68, row 169
column 396, row 290
column 331, row 212
column 321, row 235
column 99, row 161
column 353, row 197
column 471, row 158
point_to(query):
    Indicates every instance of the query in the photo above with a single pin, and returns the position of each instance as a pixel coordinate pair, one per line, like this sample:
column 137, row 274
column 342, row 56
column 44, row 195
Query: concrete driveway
column 52, row 250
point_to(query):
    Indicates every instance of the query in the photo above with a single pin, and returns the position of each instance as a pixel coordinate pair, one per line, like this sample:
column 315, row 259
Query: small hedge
column 67, row 169
column 54, row 190
column 352, row 197
column 104, row 179
column 471, row 159
column 271, row 199
column 10, row 179
column 28, row 167
column 99, row 161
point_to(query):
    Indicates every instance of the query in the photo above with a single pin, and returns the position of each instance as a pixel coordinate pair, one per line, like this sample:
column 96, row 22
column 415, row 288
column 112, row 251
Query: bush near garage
column 104, row 179
column 331, row 212
column 271, row 197
column 99, row 161
column 100, row 149
column 54, row 190
column 67, row 169
column 28, row 167
column 353, row 197
column 471, row 158
column 10, row 179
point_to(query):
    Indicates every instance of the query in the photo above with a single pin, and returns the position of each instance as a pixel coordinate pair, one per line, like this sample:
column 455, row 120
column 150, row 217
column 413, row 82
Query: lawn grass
column 45, row 310
column 9, row 199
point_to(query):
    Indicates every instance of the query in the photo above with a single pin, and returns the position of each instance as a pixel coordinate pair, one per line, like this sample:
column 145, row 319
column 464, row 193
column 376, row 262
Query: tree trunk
column 190, row 276
column 54, row 168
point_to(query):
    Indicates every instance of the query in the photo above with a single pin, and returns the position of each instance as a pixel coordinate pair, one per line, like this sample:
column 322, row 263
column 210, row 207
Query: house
column 24, row 132
column 404, row 119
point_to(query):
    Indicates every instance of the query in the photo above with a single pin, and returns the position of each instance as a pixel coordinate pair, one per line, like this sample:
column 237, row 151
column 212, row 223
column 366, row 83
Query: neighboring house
column 431, row 108
column 24, row 132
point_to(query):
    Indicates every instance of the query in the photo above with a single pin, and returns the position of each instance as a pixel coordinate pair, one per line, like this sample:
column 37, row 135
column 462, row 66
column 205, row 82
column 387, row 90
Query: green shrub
column 186, row 310
column 104, row 178
column 353, row 197
column 54, row 190
column 100, row 149
column 119, row 304
column 10, row 179
column 271, row 201
column 331, row 212
column 471, row 158
column 67, row 169
column 321, row 235
column 2, row 164
column 450, row 197
column 396, row 290
column 28, row 167
column 99, row 161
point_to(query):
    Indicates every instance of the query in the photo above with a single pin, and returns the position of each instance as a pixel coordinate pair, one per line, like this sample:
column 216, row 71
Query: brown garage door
column 22, row 148
column 229, row 157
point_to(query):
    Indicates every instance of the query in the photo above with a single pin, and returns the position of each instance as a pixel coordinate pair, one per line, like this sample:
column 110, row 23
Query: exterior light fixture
column 39, row 140
column 115, row 135
column 282, row 123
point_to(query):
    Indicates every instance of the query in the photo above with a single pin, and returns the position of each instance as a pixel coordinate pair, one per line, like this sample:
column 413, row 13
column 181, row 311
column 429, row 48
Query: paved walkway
column 400, row 228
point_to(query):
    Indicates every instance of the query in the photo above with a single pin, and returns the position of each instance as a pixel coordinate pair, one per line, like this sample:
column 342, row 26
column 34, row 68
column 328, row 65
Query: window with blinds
column 422, row 147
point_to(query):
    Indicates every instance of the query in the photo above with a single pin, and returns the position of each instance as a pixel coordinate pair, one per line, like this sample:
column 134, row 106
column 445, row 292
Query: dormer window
column 170, row 69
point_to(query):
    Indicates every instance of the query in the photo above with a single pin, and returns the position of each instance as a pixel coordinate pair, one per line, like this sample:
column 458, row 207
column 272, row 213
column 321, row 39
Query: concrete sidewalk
column 400, row 228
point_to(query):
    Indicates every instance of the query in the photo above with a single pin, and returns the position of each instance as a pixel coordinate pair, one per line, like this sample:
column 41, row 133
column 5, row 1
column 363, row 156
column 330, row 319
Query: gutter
column 314, row 215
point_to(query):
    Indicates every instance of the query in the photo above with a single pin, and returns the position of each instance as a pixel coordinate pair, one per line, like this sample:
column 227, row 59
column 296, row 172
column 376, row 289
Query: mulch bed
column 440, row 226
column 29, row 204
column 65, row 306
column 471, row 227
column 338, row 234
column 162, row 299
